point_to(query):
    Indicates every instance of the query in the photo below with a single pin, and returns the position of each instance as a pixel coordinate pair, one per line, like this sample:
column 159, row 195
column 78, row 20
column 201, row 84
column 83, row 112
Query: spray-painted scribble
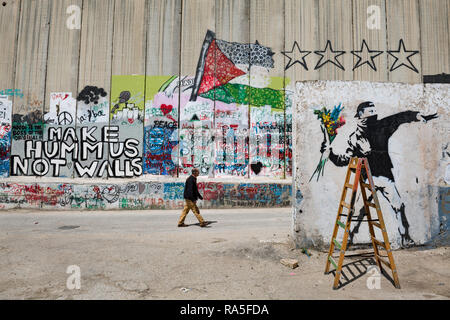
column 141, row 195
column 160, row 156
column 231, row 140
column 5, row 135
column 62, row 109
column 93, row 106
column 267, row 152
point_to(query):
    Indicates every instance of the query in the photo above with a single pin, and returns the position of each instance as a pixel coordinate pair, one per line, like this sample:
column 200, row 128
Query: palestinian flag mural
column 217, row 64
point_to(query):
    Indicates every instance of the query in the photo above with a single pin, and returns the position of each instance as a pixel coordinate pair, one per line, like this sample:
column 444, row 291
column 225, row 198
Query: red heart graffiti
column 130, row 120
column 166, row 108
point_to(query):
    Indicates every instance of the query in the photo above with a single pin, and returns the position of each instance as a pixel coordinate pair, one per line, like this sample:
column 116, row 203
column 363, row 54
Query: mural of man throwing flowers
column 371, row 140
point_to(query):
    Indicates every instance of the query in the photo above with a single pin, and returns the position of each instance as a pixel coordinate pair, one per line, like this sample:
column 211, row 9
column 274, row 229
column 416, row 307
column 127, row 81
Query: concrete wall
column 406, row 147
column 181, row 96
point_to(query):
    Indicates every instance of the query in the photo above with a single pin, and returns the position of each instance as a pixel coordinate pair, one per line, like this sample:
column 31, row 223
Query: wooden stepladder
column 360, row 166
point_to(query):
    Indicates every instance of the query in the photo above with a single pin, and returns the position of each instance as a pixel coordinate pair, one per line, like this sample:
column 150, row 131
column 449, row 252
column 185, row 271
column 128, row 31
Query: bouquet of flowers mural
column 330, row 122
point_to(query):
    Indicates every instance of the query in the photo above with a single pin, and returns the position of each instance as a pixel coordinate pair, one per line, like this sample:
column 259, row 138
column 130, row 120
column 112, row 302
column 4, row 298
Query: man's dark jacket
column 191, row 190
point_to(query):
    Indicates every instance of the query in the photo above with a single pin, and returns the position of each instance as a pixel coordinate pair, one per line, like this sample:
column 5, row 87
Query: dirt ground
column 143, row 255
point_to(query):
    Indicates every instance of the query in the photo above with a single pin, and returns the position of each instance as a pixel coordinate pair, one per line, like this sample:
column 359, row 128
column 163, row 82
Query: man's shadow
column 207, row 224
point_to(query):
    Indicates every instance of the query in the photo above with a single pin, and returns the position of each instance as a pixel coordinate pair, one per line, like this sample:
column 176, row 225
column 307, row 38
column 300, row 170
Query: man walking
column 191, row 195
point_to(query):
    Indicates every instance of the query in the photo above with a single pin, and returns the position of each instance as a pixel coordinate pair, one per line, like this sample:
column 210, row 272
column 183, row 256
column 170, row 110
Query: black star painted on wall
column 402, row 57
column 330, row 56
column 366, row 56
column 296, row 55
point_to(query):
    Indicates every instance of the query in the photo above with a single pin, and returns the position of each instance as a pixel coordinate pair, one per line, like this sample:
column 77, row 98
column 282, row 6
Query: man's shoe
column 182, row 225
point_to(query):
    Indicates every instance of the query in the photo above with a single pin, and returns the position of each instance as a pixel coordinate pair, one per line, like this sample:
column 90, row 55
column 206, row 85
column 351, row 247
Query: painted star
column 366, row 56
column 330, row 55
column 296, row 56
column 402, row 57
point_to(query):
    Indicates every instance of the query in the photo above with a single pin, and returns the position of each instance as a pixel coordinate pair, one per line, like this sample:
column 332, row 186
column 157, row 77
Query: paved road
column 143, row 255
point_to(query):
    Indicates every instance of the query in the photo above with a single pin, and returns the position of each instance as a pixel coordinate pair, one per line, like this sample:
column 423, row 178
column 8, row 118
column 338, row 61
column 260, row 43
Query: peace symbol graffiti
column 65, row 118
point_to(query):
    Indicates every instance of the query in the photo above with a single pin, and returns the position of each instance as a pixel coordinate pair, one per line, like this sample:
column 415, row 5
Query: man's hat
column 362, row 106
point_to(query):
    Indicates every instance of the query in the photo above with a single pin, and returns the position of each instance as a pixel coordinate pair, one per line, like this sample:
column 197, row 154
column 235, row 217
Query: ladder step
column 341, row 224
column 353, row 164
column 365, row 185
column 362, row 220
column 385, row 262
column 348, row 185
column 337, row 244
column 378, row 242
column 376, row 224
column 345, row 205
column 373, row 205
column 332, row 261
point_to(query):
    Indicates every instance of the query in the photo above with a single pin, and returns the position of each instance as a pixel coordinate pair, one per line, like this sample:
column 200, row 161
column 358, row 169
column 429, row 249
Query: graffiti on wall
column 236, row 77
column 61, row 113
column 230, row 119
column 93, row 112
column 93, row 106
column 62, row 109
column 231, row 140
column 444, row 208
column 140, row 195
column 266, row 142
column 28, row 126
column 288, row 133
column 371, row 140
column 5, row 135
column 127, row 100
column 41, row 158
column 27, row 122
column 11, row 93
column 127, row 110
column 196, row 135
column 160, row 155
column 364, row 56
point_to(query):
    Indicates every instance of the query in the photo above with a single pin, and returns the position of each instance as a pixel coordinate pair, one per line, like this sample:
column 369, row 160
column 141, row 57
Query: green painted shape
column 243, row 94
column 134, row 84
column 155, row 84
column 332, row 261
column 337, row 244
column 278, row 83
column 225, row 94
column 341, row 224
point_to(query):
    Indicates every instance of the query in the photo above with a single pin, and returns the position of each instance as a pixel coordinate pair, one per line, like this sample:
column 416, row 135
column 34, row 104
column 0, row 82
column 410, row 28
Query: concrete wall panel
column 404, row 30
column 30, row 77
column 434, row 37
